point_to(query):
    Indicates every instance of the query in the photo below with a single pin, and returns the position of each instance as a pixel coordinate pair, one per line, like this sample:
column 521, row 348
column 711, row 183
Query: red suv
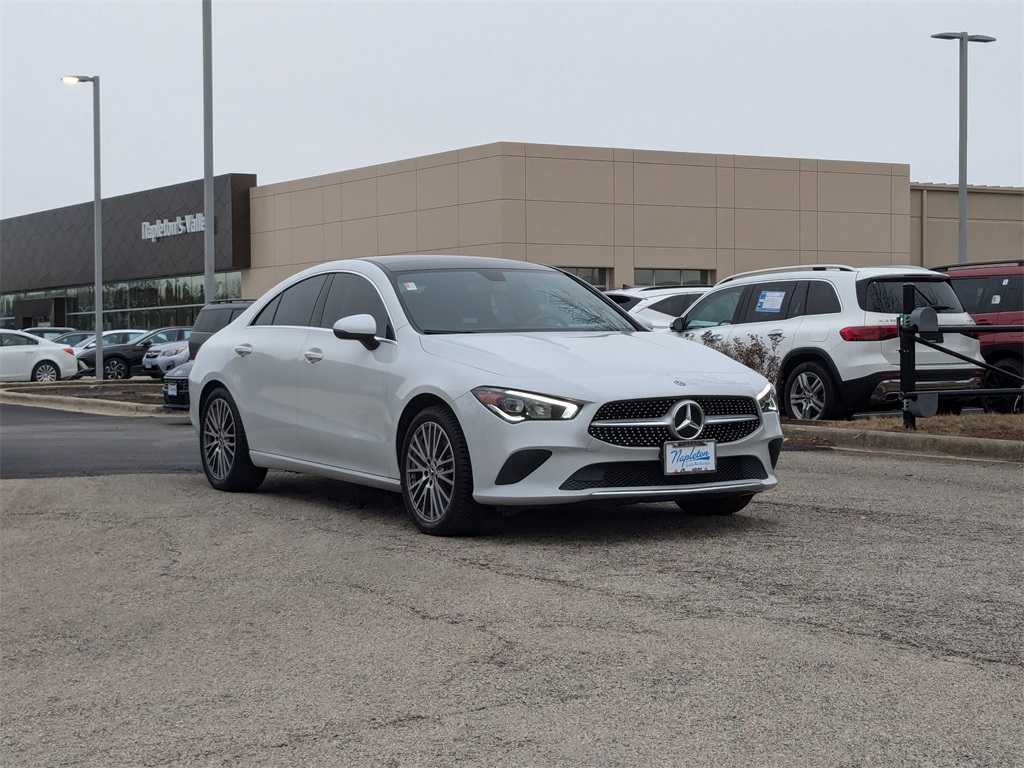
column 993, row 293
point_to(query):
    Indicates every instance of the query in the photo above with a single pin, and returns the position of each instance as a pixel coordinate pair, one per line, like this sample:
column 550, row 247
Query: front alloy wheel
column 437, row 478
column 224, row 448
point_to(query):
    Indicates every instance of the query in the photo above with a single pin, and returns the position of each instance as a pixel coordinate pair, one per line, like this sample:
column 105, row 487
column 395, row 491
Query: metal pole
column 962, row 192
column 208, row 261
column 97, row 224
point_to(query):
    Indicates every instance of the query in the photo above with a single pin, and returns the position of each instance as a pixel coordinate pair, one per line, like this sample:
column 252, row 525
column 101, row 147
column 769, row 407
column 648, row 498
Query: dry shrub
column 755, row 354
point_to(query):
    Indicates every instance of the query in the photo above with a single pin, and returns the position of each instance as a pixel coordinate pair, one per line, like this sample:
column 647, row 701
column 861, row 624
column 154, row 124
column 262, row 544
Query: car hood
column 168, row 345
column 90, row 354
column 607, row 364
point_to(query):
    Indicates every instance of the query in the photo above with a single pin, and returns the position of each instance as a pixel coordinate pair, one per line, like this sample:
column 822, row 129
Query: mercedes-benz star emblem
column 687, row 420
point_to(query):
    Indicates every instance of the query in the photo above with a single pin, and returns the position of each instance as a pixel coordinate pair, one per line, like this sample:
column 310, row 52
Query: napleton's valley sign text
column 193, row 222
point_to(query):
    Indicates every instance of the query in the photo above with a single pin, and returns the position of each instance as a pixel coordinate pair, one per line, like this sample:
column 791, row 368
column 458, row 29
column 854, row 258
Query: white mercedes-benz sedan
column 468, row 384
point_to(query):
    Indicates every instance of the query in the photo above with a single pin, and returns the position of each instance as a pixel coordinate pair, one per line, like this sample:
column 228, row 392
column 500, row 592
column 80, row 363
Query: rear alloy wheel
column 437, row 476
column 810, row 394
column 46, row 371
column 1003, row 403
column 115, row 368
column 224, row 448
column 715, row 507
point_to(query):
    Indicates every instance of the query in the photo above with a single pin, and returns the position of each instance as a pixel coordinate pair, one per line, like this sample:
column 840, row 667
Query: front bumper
column 564, row 464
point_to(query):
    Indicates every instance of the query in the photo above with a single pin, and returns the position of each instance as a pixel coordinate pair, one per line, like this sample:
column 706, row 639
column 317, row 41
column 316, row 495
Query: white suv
column 658, row 304
column 836, row 328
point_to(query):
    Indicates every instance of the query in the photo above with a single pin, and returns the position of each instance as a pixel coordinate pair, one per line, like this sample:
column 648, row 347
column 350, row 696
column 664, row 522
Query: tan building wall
column 613, row 209
column 995, row 224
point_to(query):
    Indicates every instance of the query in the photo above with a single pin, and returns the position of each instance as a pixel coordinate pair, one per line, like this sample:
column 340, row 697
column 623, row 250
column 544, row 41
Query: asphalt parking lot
column 867, row 612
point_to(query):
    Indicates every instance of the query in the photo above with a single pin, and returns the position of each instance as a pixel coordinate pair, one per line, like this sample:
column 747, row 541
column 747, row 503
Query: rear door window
column 769, row 302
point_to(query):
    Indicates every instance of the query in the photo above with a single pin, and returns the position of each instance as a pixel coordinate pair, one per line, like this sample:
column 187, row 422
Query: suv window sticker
column 770, row 301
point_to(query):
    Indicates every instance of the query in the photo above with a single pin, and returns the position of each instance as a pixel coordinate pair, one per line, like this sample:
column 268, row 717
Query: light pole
column 964, row 39
column 97, row 211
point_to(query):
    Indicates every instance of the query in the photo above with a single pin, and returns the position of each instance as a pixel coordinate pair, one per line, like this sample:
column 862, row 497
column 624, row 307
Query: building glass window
column 672, row 277
column 596, row 276
column 135, row 304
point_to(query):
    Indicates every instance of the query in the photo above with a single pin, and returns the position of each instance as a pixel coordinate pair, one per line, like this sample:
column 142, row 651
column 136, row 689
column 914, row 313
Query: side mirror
column 147, row 344
column 678, row 325
column 644, row 322
column 361, row 328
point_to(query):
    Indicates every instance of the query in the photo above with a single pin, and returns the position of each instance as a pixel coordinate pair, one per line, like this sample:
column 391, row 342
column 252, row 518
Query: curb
column 939, row 445
column 85, row 405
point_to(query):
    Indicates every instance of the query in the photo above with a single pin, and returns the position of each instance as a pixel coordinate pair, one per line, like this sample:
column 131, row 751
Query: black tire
column 437, row 476
column 714, row 507
column 46, row 371
column 116, row 368
column 811, row 395
column 223, row 447
column 993, row 380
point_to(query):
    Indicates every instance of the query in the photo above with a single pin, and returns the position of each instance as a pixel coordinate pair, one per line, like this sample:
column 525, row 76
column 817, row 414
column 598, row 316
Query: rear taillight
column 870, row 333
column 70, row 351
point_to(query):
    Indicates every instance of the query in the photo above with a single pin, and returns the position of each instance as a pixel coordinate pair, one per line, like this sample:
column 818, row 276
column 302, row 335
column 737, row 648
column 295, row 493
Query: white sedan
column 468, row 383
column 24, row 357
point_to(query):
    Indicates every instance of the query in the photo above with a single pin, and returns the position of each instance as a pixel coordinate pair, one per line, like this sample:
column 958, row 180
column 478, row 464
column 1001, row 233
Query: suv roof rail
column 226, row 301
column 996, row 263
column 794, row 268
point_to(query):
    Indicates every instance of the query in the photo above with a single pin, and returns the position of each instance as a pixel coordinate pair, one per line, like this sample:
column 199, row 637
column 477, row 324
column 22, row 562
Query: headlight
column 514, row 406
column 767, row 400
column 173, row 352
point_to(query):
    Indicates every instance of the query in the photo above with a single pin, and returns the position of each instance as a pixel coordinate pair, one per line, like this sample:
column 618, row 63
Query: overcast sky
column 308, row 88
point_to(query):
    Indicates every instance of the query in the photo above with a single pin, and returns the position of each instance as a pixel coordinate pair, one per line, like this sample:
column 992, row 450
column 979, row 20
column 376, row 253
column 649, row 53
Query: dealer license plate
column 172, row 389
column 147, row 363
column 682, row 458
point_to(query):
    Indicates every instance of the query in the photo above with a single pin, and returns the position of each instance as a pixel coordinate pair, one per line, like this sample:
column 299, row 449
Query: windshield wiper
column 928, row 301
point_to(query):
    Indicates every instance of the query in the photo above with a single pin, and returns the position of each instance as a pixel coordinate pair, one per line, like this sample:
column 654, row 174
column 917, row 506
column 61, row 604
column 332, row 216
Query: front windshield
column 503, row 300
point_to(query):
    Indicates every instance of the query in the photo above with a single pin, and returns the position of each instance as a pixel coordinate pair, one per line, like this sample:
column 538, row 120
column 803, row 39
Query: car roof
column 804, row 271
column 27, row 335
column 649, row 291
column 983, row 268
column 398, row 263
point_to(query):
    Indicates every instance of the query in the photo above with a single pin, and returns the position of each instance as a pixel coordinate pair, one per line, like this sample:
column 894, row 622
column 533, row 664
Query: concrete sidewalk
column 838, row 437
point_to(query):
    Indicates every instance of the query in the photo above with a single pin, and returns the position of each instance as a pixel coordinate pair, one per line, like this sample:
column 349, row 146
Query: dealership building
column 612, row 216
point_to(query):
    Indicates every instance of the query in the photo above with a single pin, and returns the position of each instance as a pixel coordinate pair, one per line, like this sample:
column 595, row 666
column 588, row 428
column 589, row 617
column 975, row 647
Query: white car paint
column 313, row 402
column 21, row 353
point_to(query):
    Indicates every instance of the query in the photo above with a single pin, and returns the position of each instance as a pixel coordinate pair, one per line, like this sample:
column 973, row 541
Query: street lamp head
column 77, row 79
column 964, row 36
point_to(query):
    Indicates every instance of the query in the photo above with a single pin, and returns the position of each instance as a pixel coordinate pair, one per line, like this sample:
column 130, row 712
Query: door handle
column 982, row 321
column 243, row 349
column 313, row 355
column 775, row 335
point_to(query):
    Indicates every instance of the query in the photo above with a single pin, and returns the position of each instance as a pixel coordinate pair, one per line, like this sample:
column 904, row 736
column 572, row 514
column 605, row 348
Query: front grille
column 182, row 384
column 181, row 398
column 649, row 474
column 651, row 436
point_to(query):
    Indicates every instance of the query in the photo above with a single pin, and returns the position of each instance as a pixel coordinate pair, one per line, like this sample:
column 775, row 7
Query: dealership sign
column 193, row 222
